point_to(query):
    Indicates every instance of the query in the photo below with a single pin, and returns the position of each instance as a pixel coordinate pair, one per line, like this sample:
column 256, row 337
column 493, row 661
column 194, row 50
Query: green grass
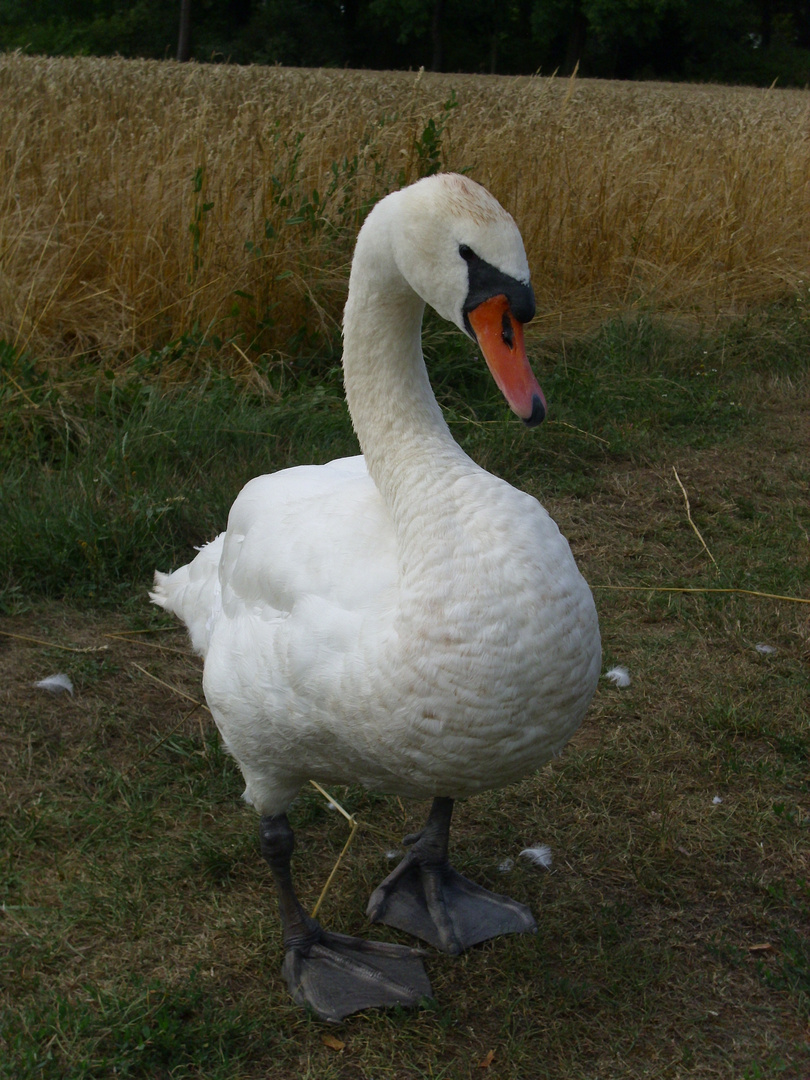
column 139, row 931
column 106, row 477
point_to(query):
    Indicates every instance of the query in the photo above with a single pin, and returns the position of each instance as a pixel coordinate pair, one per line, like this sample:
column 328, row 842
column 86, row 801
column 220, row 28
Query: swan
column 401, row 619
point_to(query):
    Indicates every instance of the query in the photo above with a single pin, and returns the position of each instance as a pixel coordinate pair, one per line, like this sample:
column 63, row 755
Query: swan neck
column 398, row 422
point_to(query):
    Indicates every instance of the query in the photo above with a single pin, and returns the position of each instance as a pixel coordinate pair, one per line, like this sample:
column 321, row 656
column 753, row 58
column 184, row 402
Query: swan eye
column 507, row 331
column 466, row 253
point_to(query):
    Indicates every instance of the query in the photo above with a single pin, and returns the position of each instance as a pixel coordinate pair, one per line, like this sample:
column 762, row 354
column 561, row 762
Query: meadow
column 144, row 203
column 174, row 247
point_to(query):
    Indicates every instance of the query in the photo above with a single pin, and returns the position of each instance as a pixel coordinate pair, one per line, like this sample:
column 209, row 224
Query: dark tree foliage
column 745, row 41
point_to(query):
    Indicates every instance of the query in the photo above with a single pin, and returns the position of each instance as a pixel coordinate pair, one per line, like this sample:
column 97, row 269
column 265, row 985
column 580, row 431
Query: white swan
column 404, row 619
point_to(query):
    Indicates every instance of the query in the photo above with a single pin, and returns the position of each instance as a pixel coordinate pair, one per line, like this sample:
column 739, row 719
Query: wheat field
column 143, row 201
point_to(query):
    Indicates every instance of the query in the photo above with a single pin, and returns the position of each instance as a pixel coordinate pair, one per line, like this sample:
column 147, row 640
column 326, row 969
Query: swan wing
column 313, row 536
column 318, row 531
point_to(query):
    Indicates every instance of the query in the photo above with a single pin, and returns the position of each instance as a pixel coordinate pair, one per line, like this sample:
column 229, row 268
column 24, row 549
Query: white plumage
column 538, row 856
column 428, row 633
column 403, row 619
column 619, row 676
column 56, row 684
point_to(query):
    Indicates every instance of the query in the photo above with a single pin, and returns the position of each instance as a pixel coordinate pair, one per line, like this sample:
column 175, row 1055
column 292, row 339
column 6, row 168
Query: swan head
column 462, row 253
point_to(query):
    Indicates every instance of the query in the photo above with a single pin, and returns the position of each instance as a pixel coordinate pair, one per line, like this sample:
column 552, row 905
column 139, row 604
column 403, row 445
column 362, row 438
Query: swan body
column 401, row 619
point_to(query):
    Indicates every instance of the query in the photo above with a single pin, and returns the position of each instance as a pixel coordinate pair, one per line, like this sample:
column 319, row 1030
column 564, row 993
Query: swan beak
column 500, row 338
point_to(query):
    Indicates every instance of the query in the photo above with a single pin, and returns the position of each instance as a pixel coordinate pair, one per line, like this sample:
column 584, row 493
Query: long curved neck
column 408, row 447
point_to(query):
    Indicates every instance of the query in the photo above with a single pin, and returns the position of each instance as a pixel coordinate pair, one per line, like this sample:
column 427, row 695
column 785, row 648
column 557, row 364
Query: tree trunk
column 436, row 35
column 351, row 55
column 576, row 41
column 184, row 36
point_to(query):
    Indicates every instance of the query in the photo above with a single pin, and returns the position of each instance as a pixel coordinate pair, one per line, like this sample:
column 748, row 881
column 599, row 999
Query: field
column 145, row 203
column 170, row 291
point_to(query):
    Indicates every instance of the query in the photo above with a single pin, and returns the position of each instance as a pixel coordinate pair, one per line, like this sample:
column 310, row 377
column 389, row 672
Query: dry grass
column 691, row 199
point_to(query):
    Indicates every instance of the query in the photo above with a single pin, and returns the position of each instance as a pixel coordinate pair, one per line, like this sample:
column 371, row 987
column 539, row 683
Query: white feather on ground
column 539, row 856
column 56, row 684
column 618, row 675
column 765, row 650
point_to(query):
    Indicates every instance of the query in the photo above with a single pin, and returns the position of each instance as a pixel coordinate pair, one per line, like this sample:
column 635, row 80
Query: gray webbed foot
column 333, row 974
column 338, row 975
column 426, row 897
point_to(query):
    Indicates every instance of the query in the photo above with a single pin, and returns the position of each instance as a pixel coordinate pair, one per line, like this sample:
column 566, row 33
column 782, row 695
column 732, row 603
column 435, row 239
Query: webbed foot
column 334, row 974
column 337, row 975
column 426, row 897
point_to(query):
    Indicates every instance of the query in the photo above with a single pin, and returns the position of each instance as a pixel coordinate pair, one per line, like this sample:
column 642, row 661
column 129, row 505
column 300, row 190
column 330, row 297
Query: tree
column 184, row 35
column 753, row 41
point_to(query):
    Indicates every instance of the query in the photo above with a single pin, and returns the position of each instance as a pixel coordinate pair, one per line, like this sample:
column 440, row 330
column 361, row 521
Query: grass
column 139, row 922
column 144, row 203
column 104, row 479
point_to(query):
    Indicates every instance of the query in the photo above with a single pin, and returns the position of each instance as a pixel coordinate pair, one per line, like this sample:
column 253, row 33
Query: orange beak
column 500, row 338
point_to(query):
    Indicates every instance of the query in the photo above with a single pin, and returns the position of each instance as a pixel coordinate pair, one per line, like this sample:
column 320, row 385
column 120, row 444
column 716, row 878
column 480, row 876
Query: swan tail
column 192, row 593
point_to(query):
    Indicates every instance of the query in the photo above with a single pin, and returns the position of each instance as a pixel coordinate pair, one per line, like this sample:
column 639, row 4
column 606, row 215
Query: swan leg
column 334, row 974
column 427, row 898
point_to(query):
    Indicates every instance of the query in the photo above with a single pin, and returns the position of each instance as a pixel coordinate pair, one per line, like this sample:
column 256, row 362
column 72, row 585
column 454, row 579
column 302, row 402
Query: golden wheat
column 141, row 200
